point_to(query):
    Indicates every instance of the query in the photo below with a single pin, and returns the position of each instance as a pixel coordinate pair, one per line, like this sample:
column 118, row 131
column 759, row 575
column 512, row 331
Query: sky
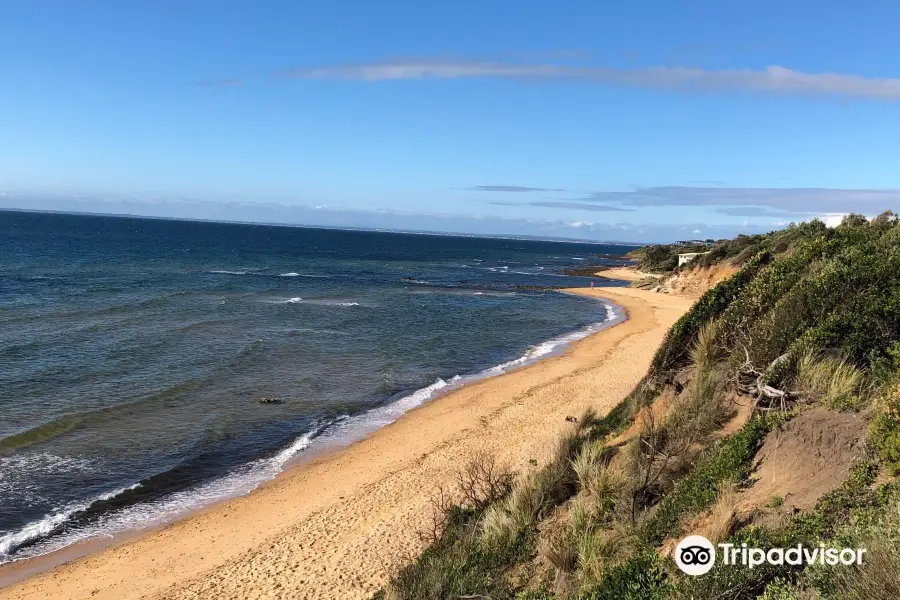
column 630, row 121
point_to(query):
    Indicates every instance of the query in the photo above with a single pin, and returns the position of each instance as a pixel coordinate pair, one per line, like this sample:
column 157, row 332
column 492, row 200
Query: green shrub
column 640, row 578
column 674, row 352
column 884, row 436
column 728, row 461
column 782, row 589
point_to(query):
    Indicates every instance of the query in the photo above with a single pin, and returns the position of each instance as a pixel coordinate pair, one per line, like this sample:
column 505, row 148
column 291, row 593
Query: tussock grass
column 594, row 475
column 833, row 381
column 697, row 412
column 533, row 497
column 705, row 351
column 503, row 521
column 720, row 522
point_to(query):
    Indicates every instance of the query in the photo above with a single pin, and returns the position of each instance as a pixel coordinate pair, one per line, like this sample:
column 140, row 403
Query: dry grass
column 503, row 520
column 705, row 352
column 595, row 476
column 719, row 523
column 599, row 549
column 830, row 380
column 697, row 412
column 533, row 497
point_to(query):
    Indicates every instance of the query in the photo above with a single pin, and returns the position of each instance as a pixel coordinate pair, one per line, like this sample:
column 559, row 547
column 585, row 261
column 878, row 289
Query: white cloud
column 773, row 80
column 756, row 202
column 832, row 220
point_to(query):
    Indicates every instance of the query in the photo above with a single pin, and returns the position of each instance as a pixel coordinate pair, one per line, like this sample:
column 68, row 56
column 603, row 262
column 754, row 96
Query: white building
column 688, row 257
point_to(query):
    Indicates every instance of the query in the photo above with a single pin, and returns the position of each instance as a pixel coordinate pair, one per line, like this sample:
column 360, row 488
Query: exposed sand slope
column 334, row 528
column 624, row 274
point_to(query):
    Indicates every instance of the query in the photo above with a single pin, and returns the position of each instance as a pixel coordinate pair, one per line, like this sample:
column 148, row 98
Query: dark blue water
column 134, row 352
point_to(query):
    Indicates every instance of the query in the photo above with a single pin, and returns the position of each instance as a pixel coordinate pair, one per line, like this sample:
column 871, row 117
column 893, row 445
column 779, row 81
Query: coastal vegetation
column 770, row 416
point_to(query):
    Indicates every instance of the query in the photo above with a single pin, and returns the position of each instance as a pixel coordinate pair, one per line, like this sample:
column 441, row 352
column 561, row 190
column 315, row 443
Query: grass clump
column 457, row 560
column 705, row 352
column 830, row 380
column 720, row 521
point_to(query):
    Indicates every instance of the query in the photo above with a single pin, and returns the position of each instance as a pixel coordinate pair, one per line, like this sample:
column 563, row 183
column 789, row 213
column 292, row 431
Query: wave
column 359, row 426
column 299, row 300
column 263, row 273
column 301, row 330
column 38, row 433
column 239, row 482
column 50, row 532
column 45, row 526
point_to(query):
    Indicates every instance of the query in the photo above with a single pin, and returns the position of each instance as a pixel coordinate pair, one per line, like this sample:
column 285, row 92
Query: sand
column 624, row 274
column 335, row 528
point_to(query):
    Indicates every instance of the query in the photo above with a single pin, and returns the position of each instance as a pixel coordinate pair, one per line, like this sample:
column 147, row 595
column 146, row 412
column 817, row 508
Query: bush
column 641, row 578
column 876, row 528
column 884, row 436
column 729, row 461
column 674, row 352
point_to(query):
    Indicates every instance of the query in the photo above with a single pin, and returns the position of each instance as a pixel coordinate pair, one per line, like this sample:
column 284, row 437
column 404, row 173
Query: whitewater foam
column 244, row 479
column 359, row 426
column 36, row 529
column 239, row 482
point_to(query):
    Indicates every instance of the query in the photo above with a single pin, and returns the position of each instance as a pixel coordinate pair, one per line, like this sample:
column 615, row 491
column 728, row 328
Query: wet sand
column 335, row 527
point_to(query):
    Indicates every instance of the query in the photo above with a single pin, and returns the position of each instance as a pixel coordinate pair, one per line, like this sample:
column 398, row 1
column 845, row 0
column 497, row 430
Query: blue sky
column 629, row 121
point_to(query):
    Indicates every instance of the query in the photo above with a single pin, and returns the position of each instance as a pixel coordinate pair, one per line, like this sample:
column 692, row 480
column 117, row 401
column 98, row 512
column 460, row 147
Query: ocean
column 134, row 353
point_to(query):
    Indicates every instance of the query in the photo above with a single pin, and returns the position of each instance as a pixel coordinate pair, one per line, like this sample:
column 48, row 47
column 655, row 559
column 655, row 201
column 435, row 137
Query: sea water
column 134, row 353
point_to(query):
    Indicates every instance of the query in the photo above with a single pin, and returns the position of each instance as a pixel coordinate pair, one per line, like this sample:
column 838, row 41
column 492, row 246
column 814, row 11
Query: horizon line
column 423, row 232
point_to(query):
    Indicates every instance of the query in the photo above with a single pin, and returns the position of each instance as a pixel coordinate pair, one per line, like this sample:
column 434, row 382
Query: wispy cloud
column 772, row 80
column 741, row 201
column 565, row 205
column 758, row 211
column 510, row 188
column 322, row 216
column 580, row 206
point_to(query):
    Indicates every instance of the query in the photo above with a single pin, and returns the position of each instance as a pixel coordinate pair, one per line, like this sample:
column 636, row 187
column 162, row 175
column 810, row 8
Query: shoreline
column 316, row 443
column 333, row 507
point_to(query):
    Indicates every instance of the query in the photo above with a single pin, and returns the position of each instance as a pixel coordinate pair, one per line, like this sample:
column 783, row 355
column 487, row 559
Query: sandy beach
column 623, row 274
column 335, row 527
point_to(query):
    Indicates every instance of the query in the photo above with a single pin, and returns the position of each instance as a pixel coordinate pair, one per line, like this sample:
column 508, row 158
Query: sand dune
column 334, row 528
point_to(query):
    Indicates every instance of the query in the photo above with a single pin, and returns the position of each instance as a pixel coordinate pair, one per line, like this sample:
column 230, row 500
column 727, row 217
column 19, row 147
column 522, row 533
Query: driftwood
column 766, row 398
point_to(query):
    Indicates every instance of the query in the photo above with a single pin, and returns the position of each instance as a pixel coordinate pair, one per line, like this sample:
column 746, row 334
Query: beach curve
column 335, row 527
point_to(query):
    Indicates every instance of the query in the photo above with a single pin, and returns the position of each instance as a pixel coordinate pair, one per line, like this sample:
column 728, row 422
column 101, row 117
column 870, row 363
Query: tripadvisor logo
column 696, row 555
